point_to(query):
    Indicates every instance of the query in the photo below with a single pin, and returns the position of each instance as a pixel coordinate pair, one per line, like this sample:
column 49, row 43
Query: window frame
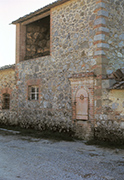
column 33, row 93
column 5, row 104
column 33, row 83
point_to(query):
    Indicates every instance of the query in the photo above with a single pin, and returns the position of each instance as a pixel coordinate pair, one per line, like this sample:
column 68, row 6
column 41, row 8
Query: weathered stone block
column 99, row 37
column 101, row 4
column 115, row 106
column 121, row 37
column 107, row 83
column 104, row 29
column 122, row 125
column 101, row 52
column 103, row 45
column 102, row 13
column 99, row 21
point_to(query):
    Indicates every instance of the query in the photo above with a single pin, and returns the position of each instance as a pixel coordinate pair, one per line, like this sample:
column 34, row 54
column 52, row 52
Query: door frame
column 82, row 98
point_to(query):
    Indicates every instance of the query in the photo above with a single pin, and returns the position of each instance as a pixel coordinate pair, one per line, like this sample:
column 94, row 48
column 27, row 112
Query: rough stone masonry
column 66, row 54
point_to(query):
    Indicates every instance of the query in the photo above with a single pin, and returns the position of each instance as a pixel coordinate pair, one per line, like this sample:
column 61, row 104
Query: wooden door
column 82, row 104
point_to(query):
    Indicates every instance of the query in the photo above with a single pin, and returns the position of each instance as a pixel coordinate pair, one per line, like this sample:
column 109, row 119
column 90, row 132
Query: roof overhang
column 38, row 14
column 7, row 67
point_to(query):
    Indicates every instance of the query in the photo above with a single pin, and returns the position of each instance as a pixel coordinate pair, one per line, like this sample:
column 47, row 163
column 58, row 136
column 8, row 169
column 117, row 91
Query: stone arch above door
column 83, row 84
column 81, row 103
column 82, row 91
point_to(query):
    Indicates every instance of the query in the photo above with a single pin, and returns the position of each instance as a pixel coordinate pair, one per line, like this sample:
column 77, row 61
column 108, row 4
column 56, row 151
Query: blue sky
column 11, row 10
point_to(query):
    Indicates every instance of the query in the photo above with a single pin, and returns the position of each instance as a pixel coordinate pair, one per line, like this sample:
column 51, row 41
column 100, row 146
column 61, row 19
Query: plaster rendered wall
column 72, row 51
column 8, row 85
column 110, row 123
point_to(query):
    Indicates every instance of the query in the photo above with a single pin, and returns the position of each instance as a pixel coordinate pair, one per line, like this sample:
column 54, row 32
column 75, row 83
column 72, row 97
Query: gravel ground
column 29, row 158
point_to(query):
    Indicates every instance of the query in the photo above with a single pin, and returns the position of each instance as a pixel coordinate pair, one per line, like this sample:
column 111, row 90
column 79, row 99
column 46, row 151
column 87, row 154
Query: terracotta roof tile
column 118, row 85
column 7, row 67
column 119, row 77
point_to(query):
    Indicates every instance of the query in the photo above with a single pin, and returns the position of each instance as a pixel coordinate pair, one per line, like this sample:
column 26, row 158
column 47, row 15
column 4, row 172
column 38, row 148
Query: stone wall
column 109, row 123
column 72, row 51
column 53, row 109
column 115, row 53
column 73, row 35
column 86, row 37
column 82, row 87
column 74, row 40
column 8, row 85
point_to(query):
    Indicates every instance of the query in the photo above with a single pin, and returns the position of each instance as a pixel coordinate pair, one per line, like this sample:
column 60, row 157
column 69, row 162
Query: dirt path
column 28, row 158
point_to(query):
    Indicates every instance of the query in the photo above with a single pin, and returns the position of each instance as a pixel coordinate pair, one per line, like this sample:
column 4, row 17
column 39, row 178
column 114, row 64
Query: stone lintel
column 82, row 75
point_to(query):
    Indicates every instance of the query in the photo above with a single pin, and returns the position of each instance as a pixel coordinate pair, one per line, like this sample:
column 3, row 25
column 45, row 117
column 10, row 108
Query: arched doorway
column 82, row 104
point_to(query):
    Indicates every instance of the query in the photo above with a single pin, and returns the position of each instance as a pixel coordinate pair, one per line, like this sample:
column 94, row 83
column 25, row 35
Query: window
column 6, row 101
column 33, row 93
column 38, row 38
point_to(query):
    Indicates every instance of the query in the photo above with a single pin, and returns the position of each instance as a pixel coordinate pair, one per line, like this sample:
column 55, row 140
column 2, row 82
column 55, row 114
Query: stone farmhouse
column 69, row 73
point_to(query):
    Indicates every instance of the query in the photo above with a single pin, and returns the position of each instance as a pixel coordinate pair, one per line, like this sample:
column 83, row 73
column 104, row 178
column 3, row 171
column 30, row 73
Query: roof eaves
column 39, row 11
column 117, row 85
column 7, row 67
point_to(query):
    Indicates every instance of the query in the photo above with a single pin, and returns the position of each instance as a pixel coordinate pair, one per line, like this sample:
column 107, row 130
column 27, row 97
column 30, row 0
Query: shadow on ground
column 46, row 134
column 56, row 136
